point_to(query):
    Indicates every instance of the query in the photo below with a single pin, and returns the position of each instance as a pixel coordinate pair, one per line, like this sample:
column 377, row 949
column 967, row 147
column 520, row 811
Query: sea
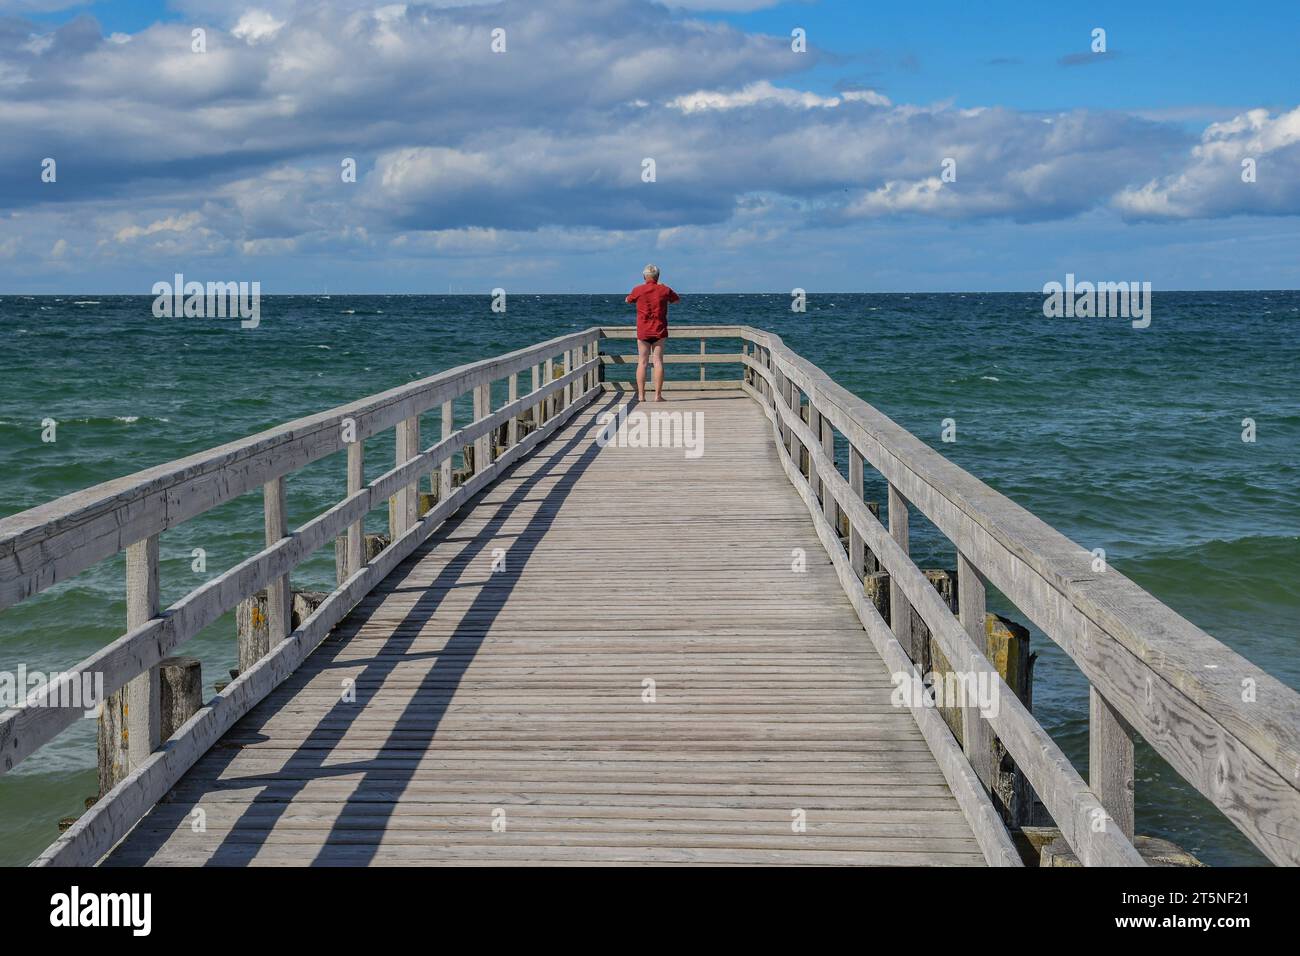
column 1175, row 448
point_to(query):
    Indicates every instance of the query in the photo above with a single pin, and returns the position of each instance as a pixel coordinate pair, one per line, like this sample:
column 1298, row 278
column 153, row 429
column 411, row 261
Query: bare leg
column 658, row 348
column 642, row 353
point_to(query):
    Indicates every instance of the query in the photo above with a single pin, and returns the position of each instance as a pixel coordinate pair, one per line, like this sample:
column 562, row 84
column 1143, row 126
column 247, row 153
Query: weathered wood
column 512, row 435
column 1110, row 761
column 181, row 692
column 354, row 556
column 130, row 721
column 278, row 600
column 114, row 815
column 857, row 549
column 703, row 359
column 1072, row 805
column 1151, row 664
column 977, row 737
column 483, row 444
column 23, row 730
column 447, row 728
column 900, row 619
column 50, row 543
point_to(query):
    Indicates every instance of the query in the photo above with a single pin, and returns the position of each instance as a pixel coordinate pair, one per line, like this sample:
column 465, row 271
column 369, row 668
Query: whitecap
column 989, row 378
column 126, row 418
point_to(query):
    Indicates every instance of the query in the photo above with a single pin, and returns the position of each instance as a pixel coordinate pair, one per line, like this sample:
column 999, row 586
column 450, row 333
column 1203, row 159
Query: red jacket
column 652, row 300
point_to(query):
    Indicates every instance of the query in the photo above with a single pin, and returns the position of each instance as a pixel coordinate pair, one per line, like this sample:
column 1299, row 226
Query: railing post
column 900, row 609
column 976, row 735
column 597, row 352
column 539, row 408
column 448, row 426
column 1110, row 760
column 356, row 531
column 857, row 547
column 279, row 599
column 143, row 693
column 512, row 430
column 568, row 367
column 482, row 409
column 702, row 366
column 408, row 497
column 829, row 508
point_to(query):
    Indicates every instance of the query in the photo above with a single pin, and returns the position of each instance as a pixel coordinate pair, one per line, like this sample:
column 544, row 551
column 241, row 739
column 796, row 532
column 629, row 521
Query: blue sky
column 524, row 169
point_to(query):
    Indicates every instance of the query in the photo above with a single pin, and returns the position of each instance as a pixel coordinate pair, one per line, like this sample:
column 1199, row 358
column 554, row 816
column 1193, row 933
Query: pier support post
column 181, row 684
column 702, row 365
column 1110, row 760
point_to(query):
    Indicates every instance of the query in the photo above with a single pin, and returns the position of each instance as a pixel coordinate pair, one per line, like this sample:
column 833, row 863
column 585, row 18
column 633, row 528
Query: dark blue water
column 1124, row 439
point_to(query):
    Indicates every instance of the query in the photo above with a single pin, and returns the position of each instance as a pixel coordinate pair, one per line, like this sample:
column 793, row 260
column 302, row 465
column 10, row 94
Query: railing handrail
column 114, row 514
column 1181, row 689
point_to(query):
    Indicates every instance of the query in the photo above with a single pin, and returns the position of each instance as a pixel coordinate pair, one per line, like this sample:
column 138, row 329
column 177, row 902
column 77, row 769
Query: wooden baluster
column 279, row 598
column 143, row 693
column 857, row 547
column 1110, row 760
column 482, row 409
column 900, row 610
column 702, row 365
column 538, row 408
column 977, row 735
column 829, row 508
column 408, row 497
column 512, row 430
column 448, row 426
column 357, row 530
column 815, row 426
column 568, row 367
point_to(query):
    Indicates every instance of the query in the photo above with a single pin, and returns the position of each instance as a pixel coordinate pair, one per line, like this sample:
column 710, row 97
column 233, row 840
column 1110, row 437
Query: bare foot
column 659, row 398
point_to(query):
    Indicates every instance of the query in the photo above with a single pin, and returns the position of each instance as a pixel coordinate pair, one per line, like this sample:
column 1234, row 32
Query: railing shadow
column 371, row 802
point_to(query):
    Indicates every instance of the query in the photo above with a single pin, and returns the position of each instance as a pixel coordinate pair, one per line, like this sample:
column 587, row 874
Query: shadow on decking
column 369, row 805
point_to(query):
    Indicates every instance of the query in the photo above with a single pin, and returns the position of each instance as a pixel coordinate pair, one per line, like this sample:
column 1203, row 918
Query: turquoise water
column 1124, row 439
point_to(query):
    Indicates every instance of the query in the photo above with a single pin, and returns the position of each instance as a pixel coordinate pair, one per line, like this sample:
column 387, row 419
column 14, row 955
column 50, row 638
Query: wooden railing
column 1150, row 671
column 1229, row 729
column 51, row 543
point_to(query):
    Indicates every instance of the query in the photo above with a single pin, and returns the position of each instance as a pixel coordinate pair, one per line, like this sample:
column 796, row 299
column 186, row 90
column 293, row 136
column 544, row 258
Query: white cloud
column 255, row 26
column 764, row 93
column 1210, row 182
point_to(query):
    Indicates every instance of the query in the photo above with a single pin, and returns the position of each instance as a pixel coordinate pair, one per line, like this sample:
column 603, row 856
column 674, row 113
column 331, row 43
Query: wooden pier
column 597, row 652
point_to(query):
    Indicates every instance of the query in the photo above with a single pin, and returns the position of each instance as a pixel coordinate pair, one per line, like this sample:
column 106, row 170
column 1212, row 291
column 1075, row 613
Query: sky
column 559, row 145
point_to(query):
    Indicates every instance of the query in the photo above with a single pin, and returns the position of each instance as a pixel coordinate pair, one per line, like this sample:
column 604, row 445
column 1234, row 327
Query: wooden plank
column 746, row 727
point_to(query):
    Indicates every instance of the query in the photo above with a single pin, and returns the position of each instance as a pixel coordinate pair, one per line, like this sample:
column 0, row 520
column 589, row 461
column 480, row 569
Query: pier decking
column 518, row 697
column 576, row 651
